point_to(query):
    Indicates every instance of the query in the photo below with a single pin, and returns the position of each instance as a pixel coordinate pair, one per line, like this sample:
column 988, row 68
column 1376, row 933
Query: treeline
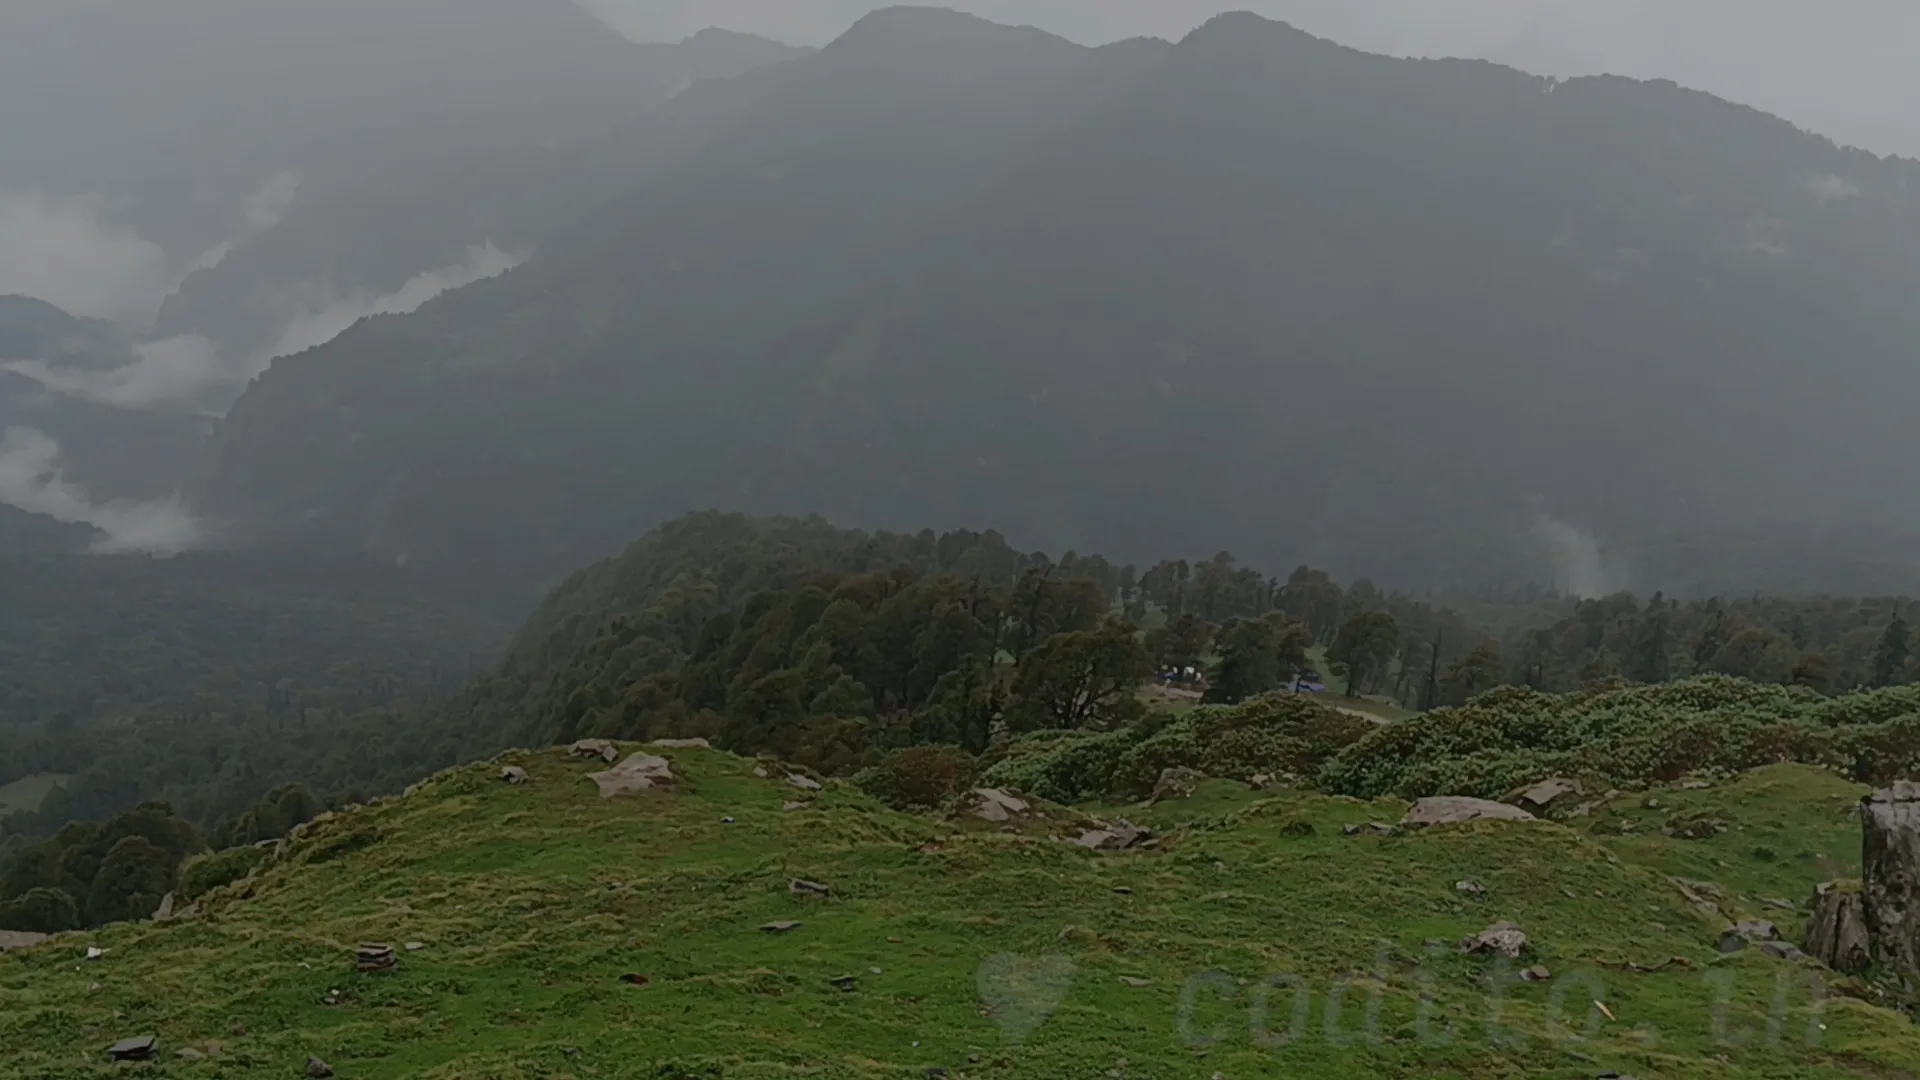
column 830, row 647
column 122, row 869
column 1828, row 645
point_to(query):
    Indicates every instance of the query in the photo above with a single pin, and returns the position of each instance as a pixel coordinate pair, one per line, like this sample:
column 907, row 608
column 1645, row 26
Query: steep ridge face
column 1257, row 288
column 804, row 178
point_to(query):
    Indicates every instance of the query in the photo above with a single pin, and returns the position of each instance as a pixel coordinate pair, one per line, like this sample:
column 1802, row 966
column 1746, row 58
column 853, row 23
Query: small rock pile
column 374, row 957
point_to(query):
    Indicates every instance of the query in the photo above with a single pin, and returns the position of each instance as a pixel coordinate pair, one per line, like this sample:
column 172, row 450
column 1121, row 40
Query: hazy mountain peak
column 928, row 38
column 1245, row 35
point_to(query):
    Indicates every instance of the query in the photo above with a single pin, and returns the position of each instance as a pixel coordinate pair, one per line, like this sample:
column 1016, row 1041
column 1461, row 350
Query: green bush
column 1278, row 735
column 204, row 873
column 41, row 911
column 919, row 777
column 1631, row 737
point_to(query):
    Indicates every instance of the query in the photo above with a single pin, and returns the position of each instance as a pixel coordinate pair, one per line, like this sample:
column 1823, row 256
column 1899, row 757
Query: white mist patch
column 322, row 321
column 30, row 479
column 178, row 374
column 188, row 373
column 1831, row 187
column 262, row 210
column 64, row 251
column 1580, row 564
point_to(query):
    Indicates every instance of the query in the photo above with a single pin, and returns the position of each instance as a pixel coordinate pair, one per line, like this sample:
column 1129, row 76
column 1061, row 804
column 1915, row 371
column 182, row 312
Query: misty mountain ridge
column 1372, row 313
column 171, row 145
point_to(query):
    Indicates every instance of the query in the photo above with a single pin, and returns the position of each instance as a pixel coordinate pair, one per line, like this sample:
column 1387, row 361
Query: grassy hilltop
column 951, row 938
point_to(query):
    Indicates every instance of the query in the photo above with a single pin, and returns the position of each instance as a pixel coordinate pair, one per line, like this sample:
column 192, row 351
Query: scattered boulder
column 795, row 806
column 803, row 782
column 843, row 983
column 188, row 1053
column 808, row 888
column 993, row 804
column 640, row 772
column 1747, row 932
column 1546, row 795
column 138, row 1048
column 592, row 748
column 1375, row 828
column 165, row 910
column 1119, row 836
column 1775, row 902
column 1890, row 861
column 1295, row 827
column 317, row 1069
column 1536, row 973
column 1783, row 950
column 1177, row 782
column 1135, row 981
column 682, row 744
column 19, row 939
column 1695, row 828
column 782, row 926
column 514, row 774
column 1454, row 809
column 1503, row 938
column 1260, row 782
column 1469, row 885
column 761, row 772
column 1837, row 930
column 415, row 946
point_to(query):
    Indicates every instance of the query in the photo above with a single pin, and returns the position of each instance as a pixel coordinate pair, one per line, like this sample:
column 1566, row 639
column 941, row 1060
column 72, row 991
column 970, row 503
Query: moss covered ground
column 564, row 935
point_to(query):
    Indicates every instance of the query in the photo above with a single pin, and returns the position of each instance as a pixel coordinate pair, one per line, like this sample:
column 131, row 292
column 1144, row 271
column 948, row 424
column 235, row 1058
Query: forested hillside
column 1252, row 290
column 209, row 679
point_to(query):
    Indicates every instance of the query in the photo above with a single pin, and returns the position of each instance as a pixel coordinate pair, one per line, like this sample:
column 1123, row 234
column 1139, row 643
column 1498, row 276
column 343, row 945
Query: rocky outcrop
column 1119, row 836
column 1452, row 810
column 1837, row 930
column 1177, row 783
column 1890, row 865
column 638, row 773
column 1503, row 938
column 19, row 939
column 993, row 804
column 1546, row 796
column 592, row 748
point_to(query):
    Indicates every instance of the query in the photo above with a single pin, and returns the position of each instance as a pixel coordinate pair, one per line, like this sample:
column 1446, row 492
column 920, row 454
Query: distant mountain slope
column 24, row 533
column 1382, row 315
column 175, row 111
column 419, row 214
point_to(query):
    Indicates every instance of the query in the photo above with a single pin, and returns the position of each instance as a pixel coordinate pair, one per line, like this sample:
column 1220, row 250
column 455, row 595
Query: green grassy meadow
column 1254, row 940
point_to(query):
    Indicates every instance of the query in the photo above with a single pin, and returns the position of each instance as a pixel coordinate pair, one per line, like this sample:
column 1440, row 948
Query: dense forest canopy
column 208, row 681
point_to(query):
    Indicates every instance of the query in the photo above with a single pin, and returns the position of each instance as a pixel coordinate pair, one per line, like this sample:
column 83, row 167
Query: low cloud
column 326, row 317
column 189, row 374
column 1580, row 564
column 179, row 374
column 31, row 479
column 65, row 251
column 1830, row 186
column 261, row 210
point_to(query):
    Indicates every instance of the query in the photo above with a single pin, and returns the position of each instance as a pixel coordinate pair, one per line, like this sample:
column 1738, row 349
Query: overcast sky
column 1844, row 68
